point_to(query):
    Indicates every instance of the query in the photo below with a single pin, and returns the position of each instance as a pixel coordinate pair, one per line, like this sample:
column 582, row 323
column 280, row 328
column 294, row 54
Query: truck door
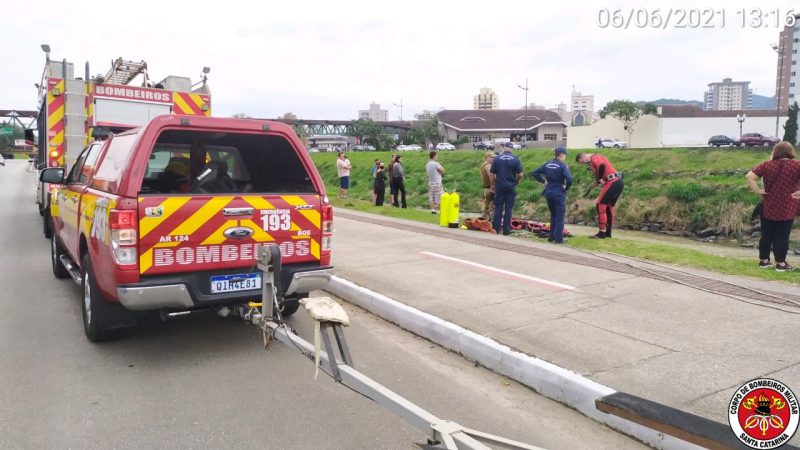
column 70, row 198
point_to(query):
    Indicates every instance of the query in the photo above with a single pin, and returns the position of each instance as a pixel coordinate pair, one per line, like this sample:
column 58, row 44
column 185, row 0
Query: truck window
column 114, row 163
column 187, row 161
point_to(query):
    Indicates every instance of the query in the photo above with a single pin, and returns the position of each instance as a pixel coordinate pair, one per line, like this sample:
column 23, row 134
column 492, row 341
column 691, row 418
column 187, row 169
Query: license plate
column 235, row 283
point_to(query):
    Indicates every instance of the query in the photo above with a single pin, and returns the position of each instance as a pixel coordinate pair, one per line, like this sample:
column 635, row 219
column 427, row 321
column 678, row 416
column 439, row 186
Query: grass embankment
column 680, row 188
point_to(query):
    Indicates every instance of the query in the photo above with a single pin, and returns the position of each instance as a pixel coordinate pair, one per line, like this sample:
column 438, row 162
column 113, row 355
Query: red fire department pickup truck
column 168, row 217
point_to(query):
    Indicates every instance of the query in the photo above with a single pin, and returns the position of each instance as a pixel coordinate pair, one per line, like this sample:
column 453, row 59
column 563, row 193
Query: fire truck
column 75, row 111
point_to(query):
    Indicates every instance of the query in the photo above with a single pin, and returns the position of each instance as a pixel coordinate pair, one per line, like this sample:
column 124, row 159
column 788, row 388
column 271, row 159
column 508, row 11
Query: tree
column 790, row 127
column 626, row 112
column 366, row 131
column 241, row 116
column 424, row 131
column 649, row 108
column 289, row 116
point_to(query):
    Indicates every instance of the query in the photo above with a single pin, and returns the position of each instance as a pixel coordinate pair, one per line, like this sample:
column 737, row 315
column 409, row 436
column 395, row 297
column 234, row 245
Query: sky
column 328, row 59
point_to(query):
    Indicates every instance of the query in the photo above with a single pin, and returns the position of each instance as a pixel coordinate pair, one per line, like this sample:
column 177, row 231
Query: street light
column 778, row 95
column 525, row 117
column 740, row 118
column 401, row 109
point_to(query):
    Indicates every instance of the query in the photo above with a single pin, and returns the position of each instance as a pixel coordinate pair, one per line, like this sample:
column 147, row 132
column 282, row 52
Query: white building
column 582, row 108
column 676, row 126
column 486, row 99
column 728, row 95
column 794, row 78
column 374, row 113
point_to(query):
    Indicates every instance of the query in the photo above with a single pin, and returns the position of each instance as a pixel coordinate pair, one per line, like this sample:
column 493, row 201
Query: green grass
column 666, row 253
column 683, row 189
column 386, row 210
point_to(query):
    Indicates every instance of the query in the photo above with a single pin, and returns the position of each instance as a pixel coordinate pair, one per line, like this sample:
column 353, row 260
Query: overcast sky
column 328, row 59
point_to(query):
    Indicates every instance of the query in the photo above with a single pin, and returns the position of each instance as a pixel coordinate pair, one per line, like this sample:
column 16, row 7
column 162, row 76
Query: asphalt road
column 205, row 382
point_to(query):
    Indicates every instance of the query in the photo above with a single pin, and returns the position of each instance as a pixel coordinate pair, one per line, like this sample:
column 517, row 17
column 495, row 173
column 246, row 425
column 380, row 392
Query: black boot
column 599, row 235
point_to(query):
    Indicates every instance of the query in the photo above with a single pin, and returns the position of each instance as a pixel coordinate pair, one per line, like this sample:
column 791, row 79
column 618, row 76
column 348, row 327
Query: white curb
column 552, row 381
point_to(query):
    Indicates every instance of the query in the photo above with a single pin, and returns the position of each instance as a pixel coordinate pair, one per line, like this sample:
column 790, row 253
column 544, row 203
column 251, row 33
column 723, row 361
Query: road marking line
column 535, row 280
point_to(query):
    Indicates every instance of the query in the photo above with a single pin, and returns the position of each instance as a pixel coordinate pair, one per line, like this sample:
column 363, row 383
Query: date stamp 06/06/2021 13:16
column 667, row 18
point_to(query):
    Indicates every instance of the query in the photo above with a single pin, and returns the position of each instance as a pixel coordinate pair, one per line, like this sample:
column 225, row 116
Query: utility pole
column 525, row 118
column 401, row 109
column 778, row 94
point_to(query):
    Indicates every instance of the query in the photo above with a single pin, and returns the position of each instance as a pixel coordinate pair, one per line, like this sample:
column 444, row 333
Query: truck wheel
column 47, row 225
column 102, row 320
column 59, row 271
column 289, row 306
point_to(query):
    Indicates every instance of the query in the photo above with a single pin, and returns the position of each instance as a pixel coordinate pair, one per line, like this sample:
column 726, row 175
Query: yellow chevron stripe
column 312, row 215
column 315, row 248
column 170, row 205
column 181, row 104
column 55, row 116
column 258, row 202
column 218, row 237
column 57, row 139
column 146, row 261
column 166, row 244
column 201, row 216
column 259, row 234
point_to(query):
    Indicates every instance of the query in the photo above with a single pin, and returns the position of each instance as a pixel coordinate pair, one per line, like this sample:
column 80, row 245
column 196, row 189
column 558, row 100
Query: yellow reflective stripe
column 55, row 116
column 315, row 249
column 312, row 215
column 259, row 235
column 197, row 101
column 166, row 244
column 170, row 205
column 258, row 202
column 57, row 139
column 218, row 237
column 146, row 261
column 181, row 104
column 212, row 207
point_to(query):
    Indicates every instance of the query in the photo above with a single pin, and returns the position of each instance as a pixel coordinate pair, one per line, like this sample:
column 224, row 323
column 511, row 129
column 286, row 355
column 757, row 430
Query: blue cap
column 561, row 150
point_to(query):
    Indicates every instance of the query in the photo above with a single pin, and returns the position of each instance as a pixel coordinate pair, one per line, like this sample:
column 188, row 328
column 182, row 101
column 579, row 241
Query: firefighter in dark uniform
column 557, row 179
column 611, row 181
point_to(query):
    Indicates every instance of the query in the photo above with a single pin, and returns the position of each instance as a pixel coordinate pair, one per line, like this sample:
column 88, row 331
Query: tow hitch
column 329, row 319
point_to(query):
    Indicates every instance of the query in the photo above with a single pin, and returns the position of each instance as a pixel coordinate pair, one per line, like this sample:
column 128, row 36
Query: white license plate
column 235, row 283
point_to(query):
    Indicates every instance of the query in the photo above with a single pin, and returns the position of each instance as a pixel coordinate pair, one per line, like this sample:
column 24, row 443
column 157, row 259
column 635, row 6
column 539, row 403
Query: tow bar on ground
column 328, row 318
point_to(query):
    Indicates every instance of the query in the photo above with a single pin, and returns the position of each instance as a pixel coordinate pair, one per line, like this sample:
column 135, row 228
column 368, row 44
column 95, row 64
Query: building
column 786, row 53
column 728, row 95
column 425, row 115
column 486, row 99
column 582, row 108
column 794, row 78
column 374, row 113
column 539, row 128
column 676, row 126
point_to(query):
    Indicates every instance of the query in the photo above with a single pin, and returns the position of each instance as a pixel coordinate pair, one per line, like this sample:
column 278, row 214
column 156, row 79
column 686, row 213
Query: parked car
column 445, row 146
column 512, row 145
column 613, row 143
column 401, row 148
column 369, row 148
column 413, row 147
column 2, row 161
column 757, row 140
column 483, row 146
column 357, row 148
column 720, row 140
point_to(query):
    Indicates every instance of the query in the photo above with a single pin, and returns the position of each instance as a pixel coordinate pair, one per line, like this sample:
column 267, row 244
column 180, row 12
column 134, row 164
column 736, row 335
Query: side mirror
column 54, row 175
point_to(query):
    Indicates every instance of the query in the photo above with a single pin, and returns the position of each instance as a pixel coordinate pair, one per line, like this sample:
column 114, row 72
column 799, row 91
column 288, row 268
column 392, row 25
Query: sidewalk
column 663, row 341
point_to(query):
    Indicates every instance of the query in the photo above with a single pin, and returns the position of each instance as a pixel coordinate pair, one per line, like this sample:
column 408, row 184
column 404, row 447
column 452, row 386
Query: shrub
column 687, row 191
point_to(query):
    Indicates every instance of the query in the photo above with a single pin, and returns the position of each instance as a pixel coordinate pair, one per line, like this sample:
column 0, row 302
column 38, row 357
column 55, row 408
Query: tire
column 616, row 145
column 289, row 306
column 102, row 320
column 766, row 144
column 59, row 271
column 47, row 224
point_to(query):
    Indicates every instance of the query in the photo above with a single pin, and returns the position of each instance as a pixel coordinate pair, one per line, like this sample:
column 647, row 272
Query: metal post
column 401, row 110
column 525, row 118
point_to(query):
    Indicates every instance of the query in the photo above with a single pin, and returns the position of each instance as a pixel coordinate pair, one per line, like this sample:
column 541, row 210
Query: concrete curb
column 552, row 381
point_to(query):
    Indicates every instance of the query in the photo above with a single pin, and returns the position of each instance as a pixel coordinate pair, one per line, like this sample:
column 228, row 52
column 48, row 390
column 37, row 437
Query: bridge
column 322, row 127
column 16, row 116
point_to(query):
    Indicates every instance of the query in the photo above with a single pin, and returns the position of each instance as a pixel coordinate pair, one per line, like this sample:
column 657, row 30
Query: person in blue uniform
column 557, row 179
column 507, row 172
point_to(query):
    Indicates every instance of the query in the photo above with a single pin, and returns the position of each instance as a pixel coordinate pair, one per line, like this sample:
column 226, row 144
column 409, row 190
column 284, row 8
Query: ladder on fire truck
column 336, row 361
column 123, row 72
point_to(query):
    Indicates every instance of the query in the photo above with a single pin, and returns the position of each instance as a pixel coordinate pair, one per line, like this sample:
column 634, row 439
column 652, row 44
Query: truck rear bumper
column 172, row 292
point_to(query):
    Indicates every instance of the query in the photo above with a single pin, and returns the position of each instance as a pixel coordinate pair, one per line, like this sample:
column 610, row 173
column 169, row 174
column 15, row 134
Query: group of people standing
column 502, row 173
column 396, row 177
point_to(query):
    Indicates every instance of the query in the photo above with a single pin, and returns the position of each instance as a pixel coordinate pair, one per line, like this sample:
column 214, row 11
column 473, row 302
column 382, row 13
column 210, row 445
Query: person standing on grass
column 389, row 169
column 398, row 180
column 379, row 185
column 781, row 175
column 373, row 171
column 557, row 179
column 435, row 172
column 506, row 172
column 611, row 181
column 488, row 186
column 343, row 169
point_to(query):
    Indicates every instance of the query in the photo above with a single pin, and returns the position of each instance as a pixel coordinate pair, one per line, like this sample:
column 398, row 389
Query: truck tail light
column 327, row 229
column 123, row 236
